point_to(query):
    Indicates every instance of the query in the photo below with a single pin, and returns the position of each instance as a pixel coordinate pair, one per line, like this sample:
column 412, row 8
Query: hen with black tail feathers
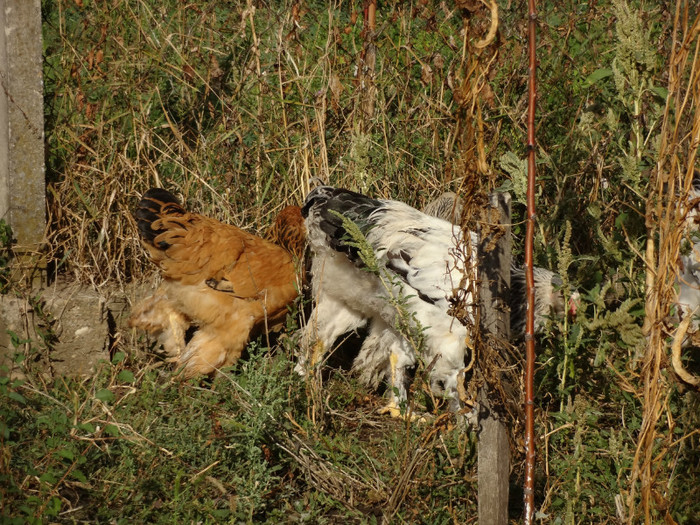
column 416, row 265
column 227, row 282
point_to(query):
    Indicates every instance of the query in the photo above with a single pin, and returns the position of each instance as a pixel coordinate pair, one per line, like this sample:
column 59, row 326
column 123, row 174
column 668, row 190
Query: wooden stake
column 494, row 282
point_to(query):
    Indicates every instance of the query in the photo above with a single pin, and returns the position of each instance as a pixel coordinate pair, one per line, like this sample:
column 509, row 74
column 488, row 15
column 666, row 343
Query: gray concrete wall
column 22, row 179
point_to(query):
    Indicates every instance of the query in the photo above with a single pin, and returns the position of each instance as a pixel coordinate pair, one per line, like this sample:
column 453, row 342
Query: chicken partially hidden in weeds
column 550, row 299
column 399, row 281
column 229, row 284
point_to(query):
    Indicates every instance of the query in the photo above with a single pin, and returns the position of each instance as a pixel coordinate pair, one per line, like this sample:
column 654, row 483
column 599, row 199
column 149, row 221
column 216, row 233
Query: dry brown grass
column 680, row 139
column 235, row 109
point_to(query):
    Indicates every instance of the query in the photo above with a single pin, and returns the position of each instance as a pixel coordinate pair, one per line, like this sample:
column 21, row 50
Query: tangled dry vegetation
column 236, row 106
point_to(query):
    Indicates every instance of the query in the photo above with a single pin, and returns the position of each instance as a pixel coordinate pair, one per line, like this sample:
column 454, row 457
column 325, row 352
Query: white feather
column 418, row 255
column 549, row 299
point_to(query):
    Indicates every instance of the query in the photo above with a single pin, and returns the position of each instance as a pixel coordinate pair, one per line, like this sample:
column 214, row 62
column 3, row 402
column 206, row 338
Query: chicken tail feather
column 156, row 204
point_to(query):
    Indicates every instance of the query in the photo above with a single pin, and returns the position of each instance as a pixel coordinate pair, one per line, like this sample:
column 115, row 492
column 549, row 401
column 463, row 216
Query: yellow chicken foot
column 394, row 411
column 393, row 408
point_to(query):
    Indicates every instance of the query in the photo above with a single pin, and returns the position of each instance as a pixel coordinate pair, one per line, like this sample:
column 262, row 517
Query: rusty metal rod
column 529, row 485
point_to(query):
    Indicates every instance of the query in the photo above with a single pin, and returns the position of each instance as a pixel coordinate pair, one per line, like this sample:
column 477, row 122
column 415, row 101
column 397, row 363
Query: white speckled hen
column 415, row 256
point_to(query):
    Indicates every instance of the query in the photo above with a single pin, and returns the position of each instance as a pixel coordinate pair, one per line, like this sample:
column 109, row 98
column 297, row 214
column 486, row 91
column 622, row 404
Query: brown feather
column 288, row 231
column 254, row 281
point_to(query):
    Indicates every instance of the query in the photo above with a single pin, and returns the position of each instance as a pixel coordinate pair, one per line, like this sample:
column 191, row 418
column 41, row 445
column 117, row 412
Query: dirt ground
column 66, row 326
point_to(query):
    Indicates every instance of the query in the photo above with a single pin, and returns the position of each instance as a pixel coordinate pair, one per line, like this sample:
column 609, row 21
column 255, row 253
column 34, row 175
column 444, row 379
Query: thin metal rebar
column 529, row 485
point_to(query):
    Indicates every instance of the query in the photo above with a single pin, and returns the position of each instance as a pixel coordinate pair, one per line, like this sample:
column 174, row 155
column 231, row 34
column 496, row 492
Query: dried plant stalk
column 680, row 138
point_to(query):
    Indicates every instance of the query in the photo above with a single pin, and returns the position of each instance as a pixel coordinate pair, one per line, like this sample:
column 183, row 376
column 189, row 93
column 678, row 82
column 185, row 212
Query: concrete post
column 22, row 180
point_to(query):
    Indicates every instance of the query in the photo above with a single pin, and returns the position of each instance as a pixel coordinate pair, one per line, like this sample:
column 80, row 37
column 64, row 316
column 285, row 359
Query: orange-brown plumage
column 288, row 231
column 227, row 282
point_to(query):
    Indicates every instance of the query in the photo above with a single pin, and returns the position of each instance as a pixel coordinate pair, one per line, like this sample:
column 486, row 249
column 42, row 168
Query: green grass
column 134, row 445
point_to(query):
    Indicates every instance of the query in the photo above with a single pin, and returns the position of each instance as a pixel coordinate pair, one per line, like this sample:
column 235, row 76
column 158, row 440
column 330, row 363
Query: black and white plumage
column 416, row 261
column 549, row 297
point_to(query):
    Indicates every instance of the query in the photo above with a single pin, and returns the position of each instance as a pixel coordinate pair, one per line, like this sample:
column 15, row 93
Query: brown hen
column 230, row 284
